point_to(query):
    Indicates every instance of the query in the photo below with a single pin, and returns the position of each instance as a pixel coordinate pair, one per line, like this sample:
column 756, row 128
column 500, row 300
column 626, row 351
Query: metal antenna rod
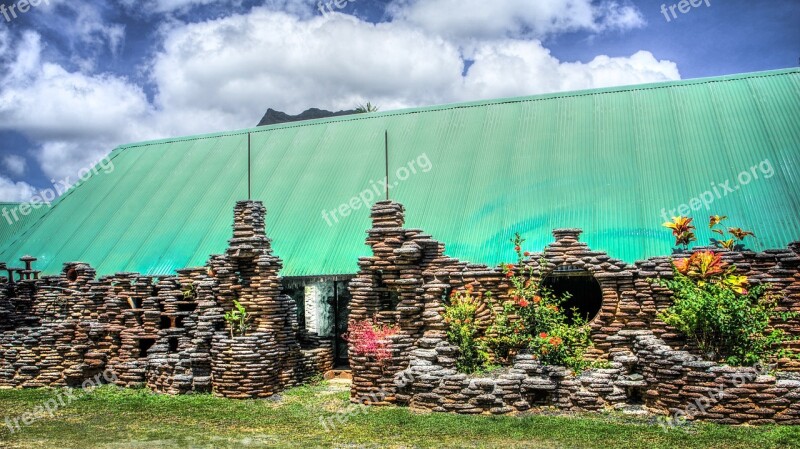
column 249, row 196
column 386, row 142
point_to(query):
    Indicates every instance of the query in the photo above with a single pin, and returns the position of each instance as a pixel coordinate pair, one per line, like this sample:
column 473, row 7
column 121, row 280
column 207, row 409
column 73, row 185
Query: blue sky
column 79, row 78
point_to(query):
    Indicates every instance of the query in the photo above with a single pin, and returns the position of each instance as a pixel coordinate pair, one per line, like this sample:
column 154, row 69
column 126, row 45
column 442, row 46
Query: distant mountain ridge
column 273, row 117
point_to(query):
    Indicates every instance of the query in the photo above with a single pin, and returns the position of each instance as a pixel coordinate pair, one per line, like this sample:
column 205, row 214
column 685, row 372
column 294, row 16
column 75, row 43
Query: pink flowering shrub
column 371, row 339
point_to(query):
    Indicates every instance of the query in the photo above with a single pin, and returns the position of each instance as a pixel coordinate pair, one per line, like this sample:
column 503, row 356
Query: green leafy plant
column 728, row 320
column 732, row 236
column 532, row 319
column 552, row 337
column 682, row 230
column 189, row 292
column 461, row 315
column 238, row 320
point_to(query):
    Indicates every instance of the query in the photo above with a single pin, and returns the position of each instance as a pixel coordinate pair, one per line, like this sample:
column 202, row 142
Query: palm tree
column 365, row 108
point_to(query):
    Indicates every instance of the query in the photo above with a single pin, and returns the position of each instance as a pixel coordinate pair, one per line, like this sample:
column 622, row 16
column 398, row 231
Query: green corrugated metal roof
column 605, row 160
column 12, row 220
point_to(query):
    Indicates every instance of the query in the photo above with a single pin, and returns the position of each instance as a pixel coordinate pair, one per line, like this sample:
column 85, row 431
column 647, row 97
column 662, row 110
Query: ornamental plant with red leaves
column 534, row 320
column 733, row 236
column 682, row 230
column 718, row 310
column 370, row 339
column 708, row 266
column 489, row 332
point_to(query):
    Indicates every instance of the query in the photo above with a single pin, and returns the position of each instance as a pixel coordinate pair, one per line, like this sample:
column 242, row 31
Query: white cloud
column 471, row 20
column 84, row 27
column 15, row 192
column 15, row 164
column 82, row 115
column 5, row 42
column 239, row 65
column 512, row 68
column 164, row 6
column 301, row 8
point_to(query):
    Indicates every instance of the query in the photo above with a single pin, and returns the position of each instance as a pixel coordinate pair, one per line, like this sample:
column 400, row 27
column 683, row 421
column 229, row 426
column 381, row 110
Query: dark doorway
column 341, row 314
column 586, row 296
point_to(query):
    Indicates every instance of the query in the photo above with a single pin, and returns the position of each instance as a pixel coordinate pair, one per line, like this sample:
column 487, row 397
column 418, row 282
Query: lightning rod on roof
column 249, row 196
column 386, row 158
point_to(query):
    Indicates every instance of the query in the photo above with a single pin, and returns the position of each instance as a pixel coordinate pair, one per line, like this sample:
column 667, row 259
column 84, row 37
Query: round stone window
column 72, row 275
column 586, row 296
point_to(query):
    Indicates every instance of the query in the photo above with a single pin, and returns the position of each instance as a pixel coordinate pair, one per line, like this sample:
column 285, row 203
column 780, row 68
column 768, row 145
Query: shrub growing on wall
column 727, row 319
column 463, row 330
column 370, row 339
column 532, row 320
column 238, row 320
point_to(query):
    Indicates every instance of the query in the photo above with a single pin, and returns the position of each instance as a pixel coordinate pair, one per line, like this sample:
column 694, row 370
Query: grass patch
column 110, row 417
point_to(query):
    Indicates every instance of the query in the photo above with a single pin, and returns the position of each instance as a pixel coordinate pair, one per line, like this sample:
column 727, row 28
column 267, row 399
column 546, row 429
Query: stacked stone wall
column 413, row 268
column 162, row 332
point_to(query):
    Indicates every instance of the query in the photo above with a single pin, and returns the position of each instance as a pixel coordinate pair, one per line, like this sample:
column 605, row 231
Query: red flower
column 527, row 254
column 517, row 248
column 536, row 299
column 510, row 274
column 523, row 303
column 543, row 335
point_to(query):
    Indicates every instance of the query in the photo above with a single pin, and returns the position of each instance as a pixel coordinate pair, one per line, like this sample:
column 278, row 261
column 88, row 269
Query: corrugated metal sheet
column 604, row 160
column 12, row 221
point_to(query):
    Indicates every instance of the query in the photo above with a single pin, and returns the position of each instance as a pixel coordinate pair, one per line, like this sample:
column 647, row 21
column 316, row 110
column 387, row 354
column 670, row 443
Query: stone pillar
column 251, row 271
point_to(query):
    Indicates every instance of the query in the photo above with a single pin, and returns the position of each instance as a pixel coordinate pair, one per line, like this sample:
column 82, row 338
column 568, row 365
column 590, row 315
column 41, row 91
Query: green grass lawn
column 115, row 418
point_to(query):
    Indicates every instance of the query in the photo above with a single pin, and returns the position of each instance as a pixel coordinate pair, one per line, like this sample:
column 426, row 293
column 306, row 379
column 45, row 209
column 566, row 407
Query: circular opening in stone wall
column 586, row 296
column 72, row 275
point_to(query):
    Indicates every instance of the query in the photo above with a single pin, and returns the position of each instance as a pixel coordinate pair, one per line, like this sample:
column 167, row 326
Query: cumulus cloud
column 301, row 8
column 223, row 73
column 164, row 6
column 241, row 63
column 86, row 29
column 470, row 20
column 15, row 164
column 81, row 115
column 15, row 192
column 512, row 68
